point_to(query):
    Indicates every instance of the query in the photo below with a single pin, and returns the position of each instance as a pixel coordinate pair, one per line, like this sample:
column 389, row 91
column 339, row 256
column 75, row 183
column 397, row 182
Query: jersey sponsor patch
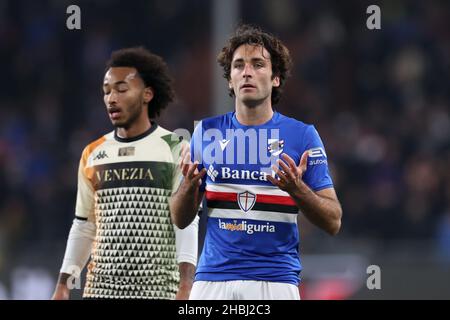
column 275, row 146
column 317, row 153
column 126, row 152
column 247, row 227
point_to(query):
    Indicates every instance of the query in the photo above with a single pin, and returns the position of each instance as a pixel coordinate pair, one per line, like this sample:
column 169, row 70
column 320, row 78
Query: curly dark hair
column 153, row 71
column 280, row 57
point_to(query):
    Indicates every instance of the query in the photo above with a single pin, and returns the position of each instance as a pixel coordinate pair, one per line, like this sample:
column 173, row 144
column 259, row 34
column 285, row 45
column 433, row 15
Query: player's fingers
column 280, row 174
column 190, row 172
column 200, row 174
column 304, row 161
column 187, row 158
column 184, row 169
column 287, row 170
column 274, row 181
column 183, row 160
column 289, row 160
column 184, row 149
column 184, row 164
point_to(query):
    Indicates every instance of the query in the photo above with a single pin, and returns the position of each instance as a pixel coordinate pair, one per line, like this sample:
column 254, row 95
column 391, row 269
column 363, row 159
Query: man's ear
column 276, row 81
column 148, row 95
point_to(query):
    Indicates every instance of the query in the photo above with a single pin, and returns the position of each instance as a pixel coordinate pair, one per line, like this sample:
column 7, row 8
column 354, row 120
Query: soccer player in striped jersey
column 258, row 170
column 125, row 180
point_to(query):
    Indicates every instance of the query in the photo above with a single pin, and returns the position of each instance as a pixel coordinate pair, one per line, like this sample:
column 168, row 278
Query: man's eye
column 238, row 65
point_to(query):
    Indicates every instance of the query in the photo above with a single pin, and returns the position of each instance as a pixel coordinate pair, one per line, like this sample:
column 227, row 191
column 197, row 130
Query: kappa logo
column 246, row 200
column 275, row 146
column 101, row 155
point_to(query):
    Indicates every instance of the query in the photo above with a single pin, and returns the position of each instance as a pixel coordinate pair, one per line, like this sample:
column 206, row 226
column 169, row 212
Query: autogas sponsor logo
column 317, row 162
column 317, row 156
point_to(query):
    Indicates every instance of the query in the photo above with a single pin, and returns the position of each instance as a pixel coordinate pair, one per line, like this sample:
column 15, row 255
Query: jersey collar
column 142, row 135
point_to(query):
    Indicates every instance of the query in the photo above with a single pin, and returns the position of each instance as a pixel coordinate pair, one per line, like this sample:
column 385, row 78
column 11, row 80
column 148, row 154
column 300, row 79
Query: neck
column 253, row 115
column 134, row 130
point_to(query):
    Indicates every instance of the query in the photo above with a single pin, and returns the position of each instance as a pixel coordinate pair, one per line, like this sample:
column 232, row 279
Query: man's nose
column 248, row 71
column 112, row 98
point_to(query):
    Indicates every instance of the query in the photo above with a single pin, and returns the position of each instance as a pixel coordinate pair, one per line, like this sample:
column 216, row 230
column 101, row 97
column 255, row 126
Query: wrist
column 185, row 284
column 301, row 190
column 187, row 274
column 188, row 188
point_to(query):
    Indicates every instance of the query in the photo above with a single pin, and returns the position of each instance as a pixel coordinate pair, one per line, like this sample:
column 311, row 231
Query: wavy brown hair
column 252, row 35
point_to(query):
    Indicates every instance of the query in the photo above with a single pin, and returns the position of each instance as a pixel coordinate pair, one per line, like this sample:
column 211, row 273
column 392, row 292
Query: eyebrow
column 105, row 84
column 253, row 60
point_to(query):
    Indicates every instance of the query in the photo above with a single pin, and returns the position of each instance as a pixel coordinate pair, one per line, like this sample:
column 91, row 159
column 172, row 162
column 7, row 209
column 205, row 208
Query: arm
column 322, row 208
column 185, row 201
column 62, row 292
column 81, row 235
column 186, row 241
column 184, row 204
column 187, row 274
column 78, row 249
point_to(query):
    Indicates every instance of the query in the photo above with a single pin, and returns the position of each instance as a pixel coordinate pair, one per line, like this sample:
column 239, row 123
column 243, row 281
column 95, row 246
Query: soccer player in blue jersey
column 258, row 169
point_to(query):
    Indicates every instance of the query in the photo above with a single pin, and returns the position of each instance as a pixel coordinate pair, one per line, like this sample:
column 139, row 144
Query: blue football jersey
column 252, row 231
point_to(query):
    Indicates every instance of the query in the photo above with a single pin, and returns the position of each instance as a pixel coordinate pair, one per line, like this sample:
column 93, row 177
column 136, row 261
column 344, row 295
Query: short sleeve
column 317, row 175
column 84, row 208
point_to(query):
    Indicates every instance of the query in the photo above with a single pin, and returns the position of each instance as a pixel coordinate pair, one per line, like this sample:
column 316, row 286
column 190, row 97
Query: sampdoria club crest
column 246, row 200
column 275, row 146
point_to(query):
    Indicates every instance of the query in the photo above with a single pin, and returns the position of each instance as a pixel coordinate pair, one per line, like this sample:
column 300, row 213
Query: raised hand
column 290, row 175
column 192, row 177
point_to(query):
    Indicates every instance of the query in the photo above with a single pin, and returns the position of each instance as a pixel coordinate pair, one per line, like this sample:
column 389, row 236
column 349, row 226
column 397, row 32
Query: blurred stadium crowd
column 379, row 99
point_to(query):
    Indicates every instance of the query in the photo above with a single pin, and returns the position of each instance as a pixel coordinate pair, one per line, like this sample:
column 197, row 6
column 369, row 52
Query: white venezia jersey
column 123, row 187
